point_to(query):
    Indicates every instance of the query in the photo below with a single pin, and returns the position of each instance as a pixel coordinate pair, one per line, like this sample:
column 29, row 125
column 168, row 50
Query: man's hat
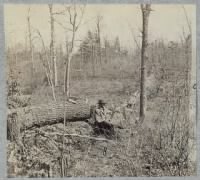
column 101, row 102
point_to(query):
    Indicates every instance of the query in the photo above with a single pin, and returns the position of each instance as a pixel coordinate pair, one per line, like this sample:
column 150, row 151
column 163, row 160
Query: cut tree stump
column 21, row 119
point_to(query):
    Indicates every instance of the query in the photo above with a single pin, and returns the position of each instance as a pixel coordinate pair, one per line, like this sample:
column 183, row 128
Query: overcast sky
column 166, row 22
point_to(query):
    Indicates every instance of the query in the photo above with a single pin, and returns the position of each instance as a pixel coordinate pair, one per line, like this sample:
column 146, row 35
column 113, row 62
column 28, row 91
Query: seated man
column 102, row 120
column 102, row 113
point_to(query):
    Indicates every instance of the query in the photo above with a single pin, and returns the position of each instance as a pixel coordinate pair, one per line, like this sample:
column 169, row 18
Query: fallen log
column 21, row 119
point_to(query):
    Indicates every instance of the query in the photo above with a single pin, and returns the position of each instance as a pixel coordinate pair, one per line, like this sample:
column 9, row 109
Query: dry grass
column 148, row 150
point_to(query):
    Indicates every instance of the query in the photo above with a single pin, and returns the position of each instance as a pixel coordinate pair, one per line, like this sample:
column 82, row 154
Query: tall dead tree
column 52, row 46
column 30, row 45
column 93, row 59
column 98, row 26
column 188, row 83
column 145, row 8
column 74, row 23
column 188, row 54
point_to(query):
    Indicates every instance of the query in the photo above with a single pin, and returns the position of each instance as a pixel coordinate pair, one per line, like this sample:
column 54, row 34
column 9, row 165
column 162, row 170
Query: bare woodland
column 54, row 90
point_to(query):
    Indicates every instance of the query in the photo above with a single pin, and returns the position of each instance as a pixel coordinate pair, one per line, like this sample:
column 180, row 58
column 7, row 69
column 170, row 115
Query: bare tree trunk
column 30, row 45
column 144, row 58
column 52, row 46
column 99, row 18
column 67, row 67
column 72, row 12
column 106, row 54
column 67, row 77
column 188, row 54
column 93, row 62
column 81, row 63
column 99, row 44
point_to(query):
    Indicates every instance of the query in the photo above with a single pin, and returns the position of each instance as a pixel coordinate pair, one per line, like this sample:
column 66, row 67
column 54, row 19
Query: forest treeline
column 115, row 61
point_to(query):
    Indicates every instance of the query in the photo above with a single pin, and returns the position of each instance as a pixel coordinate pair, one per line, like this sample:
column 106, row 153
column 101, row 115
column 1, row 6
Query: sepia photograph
column 100, row 90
